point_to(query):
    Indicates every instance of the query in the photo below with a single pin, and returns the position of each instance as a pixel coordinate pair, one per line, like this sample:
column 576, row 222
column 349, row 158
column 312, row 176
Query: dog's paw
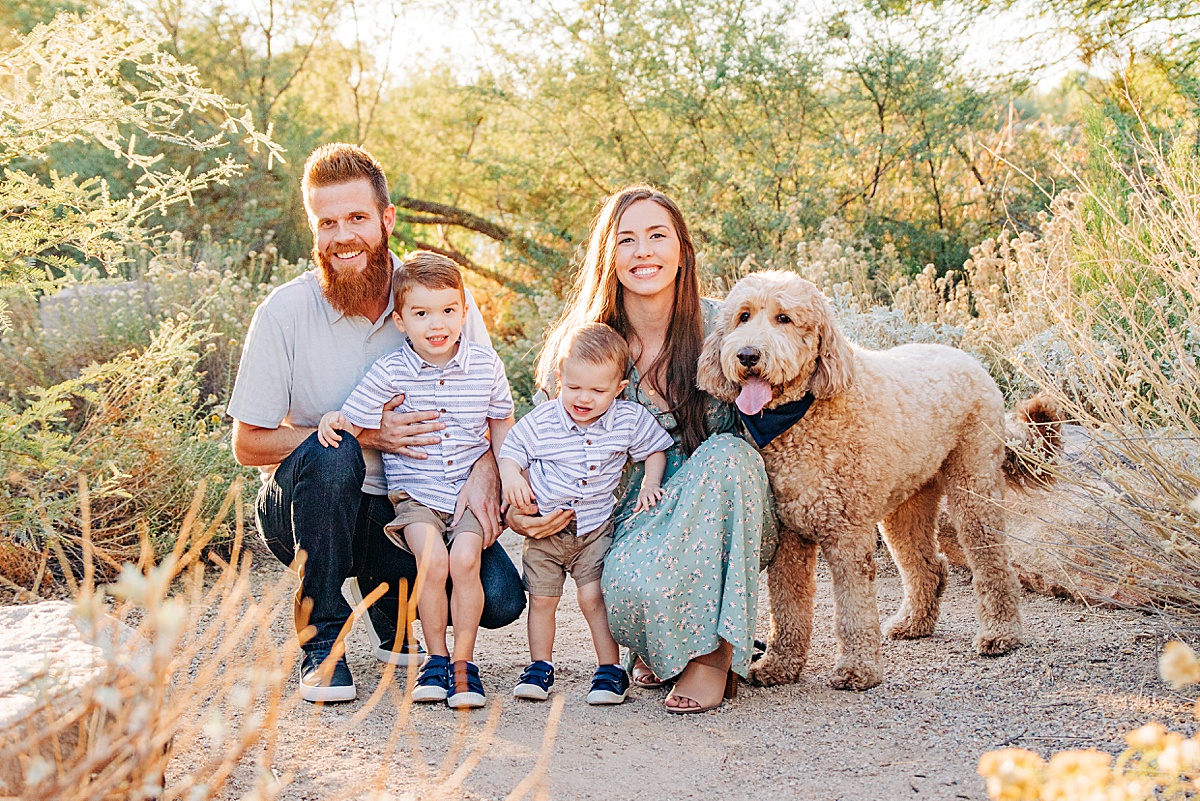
column 856, row 677
column 772, row 670
column 997, row 645
column 906, row 626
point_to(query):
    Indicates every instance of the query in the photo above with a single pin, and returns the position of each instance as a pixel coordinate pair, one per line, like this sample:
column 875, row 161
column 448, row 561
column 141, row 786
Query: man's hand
column 481, row 494
column 538, row 528
column 404, row 432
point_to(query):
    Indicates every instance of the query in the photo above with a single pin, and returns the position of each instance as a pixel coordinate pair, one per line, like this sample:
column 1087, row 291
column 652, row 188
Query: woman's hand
column 538, row 528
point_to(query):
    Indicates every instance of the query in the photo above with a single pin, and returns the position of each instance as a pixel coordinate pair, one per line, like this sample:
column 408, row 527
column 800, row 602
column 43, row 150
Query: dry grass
column 192, row 671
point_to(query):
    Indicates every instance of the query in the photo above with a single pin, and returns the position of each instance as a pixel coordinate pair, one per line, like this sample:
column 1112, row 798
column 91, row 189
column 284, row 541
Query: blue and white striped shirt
column 579, row 468
column 469, row 390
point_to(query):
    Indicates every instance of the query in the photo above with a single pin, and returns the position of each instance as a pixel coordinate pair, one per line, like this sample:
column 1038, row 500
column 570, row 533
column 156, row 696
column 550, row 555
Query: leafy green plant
column 100, row 78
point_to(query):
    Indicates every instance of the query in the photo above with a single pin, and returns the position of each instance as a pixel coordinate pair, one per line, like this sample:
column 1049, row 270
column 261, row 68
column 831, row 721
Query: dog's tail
column 1033, row 442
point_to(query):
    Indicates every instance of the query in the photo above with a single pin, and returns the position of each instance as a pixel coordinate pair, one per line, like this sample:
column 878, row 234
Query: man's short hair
column 596, row 343
column 426, row 269
column 338, row 163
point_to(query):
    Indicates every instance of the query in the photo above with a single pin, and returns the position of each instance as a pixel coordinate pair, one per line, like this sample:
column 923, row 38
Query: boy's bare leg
column 540, row 625
column 433, row 565
column 466, row 599
column 591, row 603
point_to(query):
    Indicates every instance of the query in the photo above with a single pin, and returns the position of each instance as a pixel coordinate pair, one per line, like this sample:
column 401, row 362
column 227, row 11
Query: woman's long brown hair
column 599, row 297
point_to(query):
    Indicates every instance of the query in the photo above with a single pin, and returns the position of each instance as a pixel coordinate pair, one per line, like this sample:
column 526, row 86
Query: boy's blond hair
column 426, row 269
column 596, row 343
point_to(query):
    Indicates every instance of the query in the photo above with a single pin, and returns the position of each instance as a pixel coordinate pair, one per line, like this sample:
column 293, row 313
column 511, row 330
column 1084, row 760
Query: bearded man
column 310, row 343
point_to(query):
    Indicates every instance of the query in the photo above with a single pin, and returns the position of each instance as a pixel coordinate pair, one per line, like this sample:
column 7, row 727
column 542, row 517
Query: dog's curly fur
column 889, row 433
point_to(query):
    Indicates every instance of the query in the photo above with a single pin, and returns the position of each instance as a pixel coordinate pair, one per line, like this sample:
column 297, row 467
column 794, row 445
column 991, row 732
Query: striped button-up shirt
column 469, row 390
column 573, row 467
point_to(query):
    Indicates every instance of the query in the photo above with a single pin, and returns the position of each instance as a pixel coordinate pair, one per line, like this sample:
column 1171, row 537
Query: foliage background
column 150, row 161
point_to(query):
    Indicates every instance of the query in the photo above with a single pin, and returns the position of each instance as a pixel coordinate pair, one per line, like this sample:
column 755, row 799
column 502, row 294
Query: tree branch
column 463, row 261
column 431, row 213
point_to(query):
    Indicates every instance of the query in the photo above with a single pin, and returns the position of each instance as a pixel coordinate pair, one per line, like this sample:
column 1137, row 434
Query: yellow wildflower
column 1178, row 665
column 1148, row 738
column 1076, row 776
column 1012, row 774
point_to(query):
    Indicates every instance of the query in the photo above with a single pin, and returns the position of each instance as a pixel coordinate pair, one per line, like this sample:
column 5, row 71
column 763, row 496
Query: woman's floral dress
column 685, row 573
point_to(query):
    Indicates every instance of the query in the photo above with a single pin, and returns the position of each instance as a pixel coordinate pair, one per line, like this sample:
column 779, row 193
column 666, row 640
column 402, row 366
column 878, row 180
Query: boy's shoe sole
column 605, row 698
column 426, row 695
column 530, row 692
column 466, row 701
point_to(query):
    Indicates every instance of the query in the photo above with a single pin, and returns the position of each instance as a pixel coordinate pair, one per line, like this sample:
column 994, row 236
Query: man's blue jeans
column 315, row 502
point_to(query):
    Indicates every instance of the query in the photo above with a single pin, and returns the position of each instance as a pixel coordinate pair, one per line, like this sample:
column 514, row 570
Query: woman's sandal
column 729, row 692
column 644, row 677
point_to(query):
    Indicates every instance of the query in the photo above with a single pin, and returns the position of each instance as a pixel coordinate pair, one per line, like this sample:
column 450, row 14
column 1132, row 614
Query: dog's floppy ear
column 834, row 372
column 709, row 375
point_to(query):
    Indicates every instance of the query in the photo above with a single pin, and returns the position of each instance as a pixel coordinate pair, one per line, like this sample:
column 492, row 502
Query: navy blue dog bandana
column 770, row 423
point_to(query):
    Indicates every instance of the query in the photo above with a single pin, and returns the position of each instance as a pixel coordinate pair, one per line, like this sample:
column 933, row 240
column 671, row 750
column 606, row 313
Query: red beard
column 357, row 293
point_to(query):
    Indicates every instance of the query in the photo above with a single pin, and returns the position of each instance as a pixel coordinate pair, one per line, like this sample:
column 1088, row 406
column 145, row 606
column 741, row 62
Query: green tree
column 103, row 79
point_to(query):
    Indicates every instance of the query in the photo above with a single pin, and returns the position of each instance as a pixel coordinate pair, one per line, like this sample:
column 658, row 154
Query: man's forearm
column 258, row 447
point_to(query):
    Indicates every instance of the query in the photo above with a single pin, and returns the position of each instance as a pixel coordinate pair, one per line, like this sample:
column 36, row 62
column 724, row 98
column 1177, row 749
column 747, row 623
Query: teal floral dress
column 686, row 572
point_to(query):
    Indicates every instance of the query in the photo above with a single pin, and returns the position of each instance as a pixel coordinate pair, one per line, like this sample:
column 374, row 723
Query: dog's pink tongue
column 754, row 395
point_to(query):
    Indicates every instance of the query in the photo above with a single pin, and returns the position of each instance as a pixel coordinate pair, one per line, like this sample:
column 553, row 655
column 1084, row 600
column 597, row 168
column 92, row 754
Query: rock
column 47, row 660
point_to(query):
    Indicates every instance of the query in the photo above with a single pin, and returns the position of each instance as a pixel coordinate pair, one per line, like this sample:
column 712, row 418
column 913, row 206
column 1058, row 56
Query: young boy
column 569, row 453
column 465, row 381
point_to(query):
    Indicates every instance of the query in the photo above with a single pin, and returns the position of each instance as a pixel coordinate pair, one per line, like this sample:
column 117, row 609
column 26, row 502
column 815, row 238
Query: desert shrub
column 518, row 337
column 1099, row 311
column 138, row 426
column 101, row 78
column 1156, row 764
column 217, row 285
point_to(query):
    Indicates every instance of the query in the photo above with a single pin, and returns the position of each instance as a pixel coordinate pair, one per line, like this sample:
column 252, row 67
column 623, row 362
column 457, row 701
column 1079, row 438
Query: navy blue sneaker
column 323, row 680
column 536, row 681
column 433, row 682
column 466, row 688
column 609, row 685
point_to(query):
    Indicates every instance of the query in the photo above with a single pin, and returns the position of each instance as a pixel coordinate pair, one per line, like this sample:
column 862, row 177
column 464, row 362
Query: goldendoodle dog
column 852, row 438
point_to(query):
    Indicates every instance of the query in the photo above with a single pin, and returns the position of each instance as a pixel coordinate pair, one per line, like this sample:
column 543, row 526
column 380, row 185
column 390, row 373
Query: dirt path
column 1084, row 679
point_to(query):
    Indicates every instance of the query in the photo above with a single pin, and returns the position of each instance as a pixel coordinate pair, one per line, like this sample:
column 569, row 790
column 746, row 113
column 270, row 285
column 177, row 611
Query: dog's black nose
column 748, row 357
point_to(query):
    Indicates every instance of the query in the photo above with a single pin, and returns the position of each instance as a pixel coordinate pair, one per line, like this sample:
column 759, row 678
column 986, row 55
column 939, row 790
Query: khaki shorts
column 410, row 511
column 547, row 561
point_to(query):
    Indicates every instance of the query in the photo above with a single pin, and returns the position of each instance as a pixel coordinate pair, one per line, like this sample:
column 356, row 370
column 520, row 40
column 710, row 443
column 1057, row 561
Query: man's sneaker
column 323, row 680
column 433, row 682
column 535, row 682
column 466, row 688
column 383, row 634
column 409, row 653
column 609, row 685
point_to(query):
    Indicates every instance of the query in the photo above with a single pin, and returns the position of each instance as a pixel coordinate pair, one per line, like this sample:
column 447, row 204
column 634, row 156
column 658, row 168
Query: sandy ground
column 1085, row 677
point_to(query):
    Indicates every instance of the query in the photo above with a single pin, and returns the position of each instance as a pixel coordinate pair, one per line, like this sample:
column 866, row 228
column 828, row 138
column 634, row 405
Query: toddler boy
column 465, row 381
column 569, row 453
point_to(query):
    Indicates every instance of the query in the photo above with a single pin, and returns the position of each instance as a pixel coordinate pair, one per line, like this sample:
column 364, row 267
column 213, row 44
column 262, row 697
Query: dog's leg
column 851, row 558
column 910, row 534
column 973, row 500
column 792, row 581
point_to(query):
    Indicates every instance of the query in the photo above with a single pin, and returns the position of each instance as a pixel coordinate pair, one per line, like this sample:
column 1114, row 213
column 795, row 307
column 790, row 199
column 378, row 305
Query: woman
column 681, row 580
